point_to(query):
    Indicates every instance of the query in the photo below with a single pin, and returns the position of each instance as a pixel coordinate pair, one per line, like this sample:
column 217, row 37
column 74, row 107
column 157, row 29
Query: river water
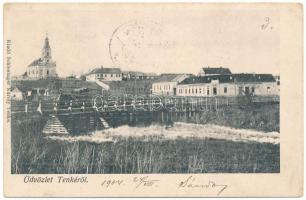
column 178, row 130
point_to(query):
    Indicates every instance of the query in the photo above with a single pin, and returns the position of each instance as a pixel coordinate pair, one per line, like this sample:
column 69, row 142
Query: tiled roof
column 167, row 77
column 36, row 62
column 138, row 73
column 64, row 84
column 103, row 70
column 216, row 70
column 230, row 78
column 40, row 62
column 26, row 85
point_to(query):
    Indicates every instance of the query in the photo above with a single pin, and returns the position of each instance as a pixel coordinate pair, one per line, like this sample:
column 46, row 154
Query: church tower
column 46, row 51
column 43, row 67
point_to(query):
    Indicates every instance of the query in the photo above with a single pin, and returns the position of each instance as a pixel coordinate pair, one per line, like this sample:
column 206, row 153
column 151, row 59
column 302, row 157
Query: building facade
column 135, row 75
column 16, row 94
column 229, row 85
column 43, row 67
column 104, row 74
column 167, row 83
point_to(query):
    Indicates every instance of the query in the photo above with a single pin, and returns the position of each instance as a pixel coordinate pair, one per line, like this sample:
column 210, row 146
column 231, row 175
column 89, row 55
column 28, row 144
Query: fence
column 142, row 103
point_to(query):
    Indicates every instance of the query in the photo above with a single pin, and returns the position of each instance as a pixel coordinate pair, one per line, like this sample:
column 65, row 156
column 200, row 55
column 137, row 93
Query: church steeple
column 46, row 51
column 43, row 67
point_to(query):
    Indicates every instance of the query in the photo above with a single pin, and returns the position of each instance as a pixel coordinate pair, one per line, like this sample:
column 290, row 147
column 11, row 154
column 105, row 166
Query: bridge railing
column 145, row 103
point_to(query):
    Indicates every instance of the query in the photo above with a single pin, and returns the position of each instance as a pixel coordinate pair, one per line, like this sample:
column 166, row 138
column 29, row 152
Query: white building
column 43, row 67
column 228, row 85
column 16, row 94
column 104, row 74
column 166, row 84
column 136, row 75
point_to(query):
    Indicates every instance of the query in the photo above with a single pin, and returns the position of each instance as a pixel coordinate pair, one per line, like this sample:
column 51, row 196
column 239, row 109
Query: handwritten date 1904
column 111, row 182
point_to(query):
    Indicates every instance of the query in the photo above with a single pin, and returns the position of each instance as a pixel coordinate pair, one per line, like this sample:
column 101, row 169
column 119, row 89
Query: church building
column 43, row 67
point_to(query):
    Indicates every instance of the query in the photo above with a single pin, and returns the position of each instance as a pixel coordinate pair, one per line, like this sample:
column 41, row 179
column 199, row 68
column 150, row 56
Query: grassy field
column 150, row 156
column 34, row 154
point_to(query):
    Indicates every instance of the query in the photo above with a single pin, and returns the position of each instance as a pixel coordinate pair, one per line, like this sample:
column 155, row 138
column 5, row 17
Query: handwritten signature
column 190, row 182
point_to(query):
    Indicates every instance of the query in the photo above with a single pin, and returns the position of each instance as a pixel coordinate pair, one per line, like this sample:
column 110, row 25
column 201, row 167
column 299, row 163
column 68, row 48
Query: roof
column 138, row 73
column 36, row 62
column 40, row 62
column 103, row 70
column 216, row 70
column 54, row 84
column 172, row 77
column 167, row 77
column 15, row 89
column 230, row 78
column 26, row 85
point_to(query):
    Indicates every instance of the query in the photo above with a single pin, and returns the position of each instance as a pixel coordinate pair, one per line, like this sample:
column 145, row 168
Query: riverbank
column 260, row 117
column 200, row 149
column 191, row 149
column 135, row 155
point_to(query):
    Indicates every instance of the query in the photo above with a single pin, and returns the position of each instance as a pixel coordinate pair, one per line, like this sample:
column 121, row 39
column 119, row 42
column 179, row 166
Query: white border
column 113, row 1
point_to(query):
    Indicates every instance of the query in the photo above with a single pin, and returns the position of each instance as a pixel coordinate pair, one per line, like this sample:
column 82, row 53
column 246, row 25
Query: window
column 47, row 72
column 247, row 90
column 189, row 90
column 240, row 90
column 214, row 91
column 185, row 91
column 200, row 91
column 207, row 91
column 253, row 90
column 196, row 91
column 111, row 75
column 225, row 90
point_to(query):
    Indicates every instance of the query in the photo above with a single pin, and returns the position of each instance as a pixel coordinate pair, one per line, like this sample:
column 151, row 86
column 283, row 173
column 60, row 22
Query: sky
column 144, row 37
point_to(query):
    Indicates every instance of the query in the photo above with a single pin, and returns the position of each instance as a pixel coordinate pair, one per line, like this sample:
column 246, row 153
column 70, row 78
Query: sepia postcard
column 153, row 100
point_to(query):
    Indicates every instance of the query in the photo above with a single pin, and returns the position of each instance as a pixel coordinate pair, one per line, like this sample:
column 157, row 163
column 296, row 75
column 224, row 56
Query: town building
column 104, row 74
column 228, row 85
column 207, row 71
column 43, row 67
column 136, row 87
column 16, row 94
column 166, row 84
column 277, row 78
column 136, row 75
column 51, row 88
